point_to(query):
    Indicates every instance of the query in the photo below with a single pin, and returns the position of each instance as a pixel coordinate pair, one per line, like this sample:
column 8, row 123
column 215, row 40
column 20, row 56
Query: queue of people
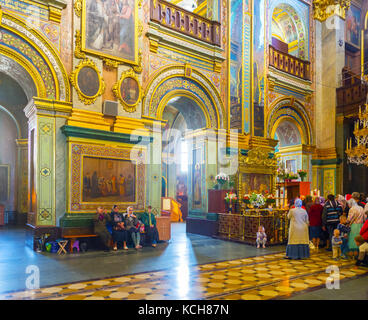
column 341, row 223
column 119, row 229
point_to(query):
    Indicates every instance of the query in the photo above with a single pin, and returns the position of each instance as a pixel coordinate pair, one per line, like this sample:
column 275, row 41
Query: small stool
column 62, row 244
column 75, row 245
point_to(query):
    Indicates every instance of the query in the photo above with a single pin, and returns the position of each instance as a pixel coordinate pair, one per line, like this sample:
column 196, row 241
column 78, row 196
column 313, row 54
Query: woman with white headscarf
column 298, row 244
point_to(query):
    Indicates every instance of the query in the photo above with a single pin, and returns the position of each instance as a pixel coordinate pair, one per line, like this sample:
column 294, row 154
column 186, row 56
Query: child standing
column 336, row 242
column 261, row 237
column 363, row 251
column 344, row 233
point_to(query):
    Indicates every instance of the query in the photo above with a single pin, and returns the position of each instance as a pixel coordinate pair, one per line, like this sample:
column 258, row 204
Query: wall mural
column 352, row 30
column 103, row 175
column 258, row 67
column 108, row 180
column 236, row 55
column 109, row 29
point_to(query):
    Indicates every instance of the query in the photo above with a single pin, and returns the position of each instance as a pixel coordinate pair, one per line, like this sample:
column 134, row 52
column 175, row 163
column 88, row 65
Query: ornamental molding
column 168, row 72
column 323, row 9
column 64, row 92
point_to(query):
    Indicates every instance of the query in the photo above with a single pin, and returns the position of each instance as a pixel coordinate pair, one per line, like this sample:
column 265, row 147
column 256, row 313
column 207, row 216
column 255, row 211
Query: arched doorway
column 191, row 108
column 13, row 131
column 289, row 123
column 32, row 75
column 181, row 162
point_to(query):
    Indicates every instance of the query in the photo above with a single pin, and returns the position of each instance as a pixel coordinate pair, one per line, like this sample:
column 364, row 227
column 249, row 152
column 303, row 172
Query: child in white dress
column 261, row 237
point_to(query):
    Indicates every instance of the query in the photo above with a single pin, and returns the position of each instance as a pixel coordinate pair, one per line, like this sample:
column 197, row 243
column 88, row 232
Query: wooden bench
column 75, row 237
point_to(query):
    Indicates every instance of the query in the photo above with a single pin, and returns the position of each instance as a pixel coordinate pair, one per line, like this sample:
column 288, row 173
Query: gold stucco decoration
column 87, row 81
column 128, row 90
column 323, row 9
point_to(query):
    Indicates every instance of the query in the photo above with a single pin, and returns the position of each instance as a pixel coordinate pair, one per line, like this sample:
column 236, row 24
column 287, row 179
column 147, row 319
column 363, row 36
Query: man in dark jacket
column 331, row 213
column 149, row 221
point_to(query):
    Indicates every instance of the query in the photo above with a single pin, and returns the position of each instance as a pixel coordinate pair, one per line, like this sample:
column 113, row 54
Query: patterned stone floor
column 258, row 278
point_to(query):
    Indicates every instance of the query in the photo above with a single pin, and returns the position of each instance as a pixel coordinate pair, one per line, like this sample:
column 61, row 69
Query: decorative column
column 22, row 181
column 154, row 168
column 330, row 60
column 46, row 163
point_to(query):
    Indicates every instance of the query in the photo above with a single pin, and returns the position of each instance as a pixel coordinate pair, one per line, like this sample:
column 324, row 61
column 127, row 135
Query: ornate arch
column 293, row 111
column 174, row 80
column 33, row 52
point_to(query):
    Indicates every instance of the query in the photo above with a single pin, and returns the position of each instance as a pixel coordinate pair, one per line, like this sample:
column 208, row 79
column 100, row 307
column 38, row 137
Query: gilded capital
column 323, row 9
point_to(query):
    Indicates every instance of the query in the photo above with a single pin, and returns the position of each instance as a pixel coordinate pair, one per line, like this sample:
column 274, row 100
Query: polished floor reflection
column 258, row 278
column 189, row 267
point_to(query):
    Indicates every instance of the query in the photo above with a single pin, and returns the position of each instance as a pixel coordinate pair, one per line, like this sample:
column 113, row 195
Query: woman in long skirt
column 298, row 244
column 356, row 219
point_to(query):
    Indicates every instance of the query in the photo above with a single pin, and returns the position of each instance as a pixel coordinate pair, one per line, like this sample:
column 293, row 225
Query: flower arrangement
column 246, row 198
column 222, row 178
column 302, row 174
column 282, row 173
column 257, row 200
column 231, row 197
column 292, row 176
column 270, row 198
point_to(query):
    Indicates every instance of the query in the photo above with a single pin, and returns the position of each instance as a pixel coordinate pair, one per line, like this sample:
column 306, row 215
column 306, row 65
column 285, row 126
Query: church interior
column 213, row 114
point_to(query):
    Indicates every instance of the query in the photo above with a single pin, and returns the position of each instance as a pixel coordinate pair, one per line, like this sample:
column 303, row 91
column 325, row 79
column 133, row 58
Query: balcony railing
column 352, row 95
column 290, row 64
column 189, row 23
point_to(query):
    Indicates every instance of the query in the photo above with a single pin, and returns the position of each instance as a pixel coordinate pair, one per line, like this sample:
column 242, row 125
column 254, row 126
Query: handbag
column 141, row 228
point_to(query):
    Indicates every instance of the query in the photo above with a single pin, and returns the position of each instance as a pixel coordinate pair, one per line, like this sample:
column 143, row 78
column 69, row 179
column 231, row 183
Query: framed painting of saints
column 110, row 29
column 108, row 180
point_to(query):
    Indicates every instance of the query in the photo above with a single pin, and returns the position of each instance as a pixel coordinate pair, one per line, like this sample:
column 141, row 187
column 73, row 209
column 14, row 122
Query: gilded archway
column 29, row 49
column 293, row 111
column 178, row 80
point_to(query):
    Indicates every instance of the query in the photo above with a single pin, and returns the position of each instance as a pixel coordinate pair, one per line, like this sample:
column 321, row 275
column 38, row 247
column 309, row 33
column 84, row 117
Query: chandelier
column 359, row 153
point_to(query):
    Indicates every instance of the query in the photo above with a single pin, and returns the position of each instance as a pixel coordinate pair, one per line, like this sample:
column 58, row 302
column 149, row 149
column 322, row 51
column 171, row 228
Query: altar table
column 243, row 227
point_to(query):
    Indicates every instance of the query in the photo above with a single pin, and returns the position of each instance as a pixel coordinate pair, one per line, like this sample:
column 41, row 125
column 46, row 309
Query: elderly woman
column 99, row 223
column 131, row 225
column 298, row 244
column 119, row 234
column 356, row 219
column 315, row 225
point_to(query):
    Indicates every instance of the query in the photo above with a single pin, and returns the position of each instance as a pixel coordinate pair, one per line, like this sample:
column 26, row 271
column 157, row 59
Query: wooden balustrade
column 289, row 64
column 355, row 94
column 189, row 23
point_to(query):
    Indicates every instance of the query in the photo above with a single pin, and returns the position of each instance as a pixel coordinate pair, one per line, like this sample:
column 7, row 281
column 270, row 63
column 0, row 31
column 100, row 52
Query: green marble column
column 47, row 160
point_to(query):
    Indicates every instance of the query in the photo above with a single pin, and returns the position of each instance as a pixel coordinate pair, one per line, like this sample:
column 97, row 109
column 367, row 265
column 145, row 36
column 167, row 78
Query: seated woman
column 119, row 234
column 131, row 225
column 149, row 221
column 99, row 223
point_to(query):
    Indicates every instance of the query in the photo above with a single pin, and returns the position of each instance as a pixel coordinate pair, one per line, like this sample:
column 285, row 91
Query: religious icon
column 88, row 81
column 129, row 91
column 197, row 192
column 352, row 29
column 109, row 29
